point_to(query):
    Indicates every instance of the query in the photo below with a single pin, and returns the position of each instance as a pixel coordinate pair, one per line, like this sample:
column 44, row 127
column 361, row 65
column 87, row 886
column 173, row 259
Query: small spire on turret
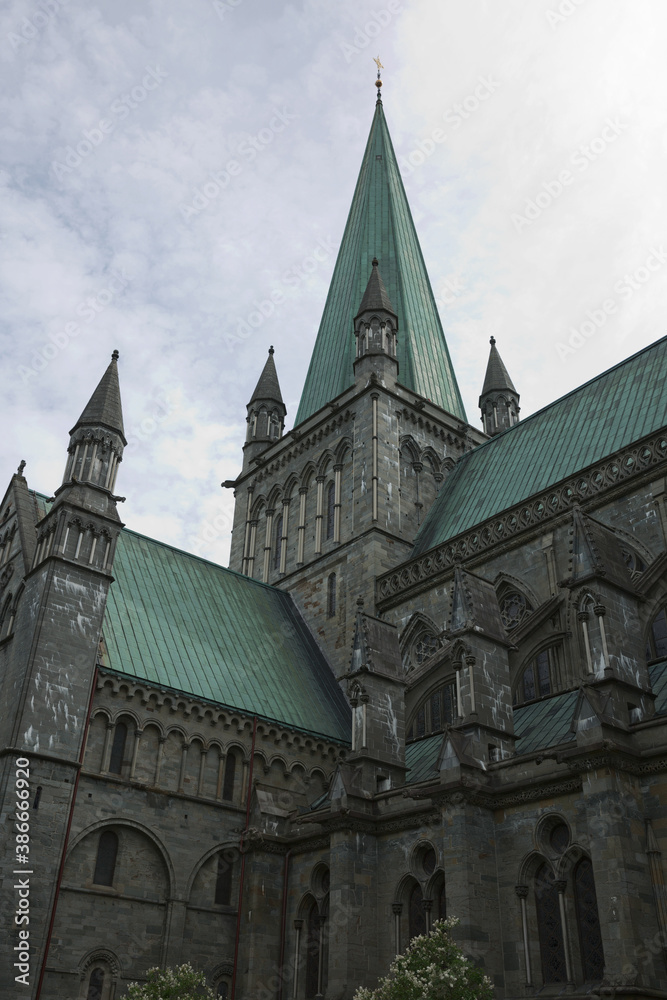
column 266, row 413
column 499, row 401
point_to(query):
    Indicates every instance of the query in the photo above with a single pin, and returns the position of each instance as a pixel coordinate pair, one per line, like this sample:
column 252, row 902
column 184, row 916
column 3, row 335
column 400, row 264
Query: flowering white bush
column 432, row 968
column 182, row 983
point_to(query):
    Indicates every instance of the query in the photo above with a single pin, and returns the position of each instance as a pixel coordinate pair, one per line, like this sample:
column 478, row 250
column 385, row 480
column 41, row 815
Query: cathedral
column 432, row 682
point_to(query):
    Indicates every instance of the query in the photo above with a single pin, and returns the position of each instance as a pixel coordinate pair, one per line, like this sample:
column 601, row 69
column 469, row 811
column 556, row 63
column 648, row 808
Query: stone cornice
column 225, row 716
column 588, row 488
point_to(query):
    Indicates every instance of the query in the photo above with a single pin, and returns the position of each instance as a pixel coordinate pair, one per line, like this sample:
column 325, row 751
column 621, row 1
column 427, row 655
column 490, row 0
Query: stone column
column 338, row 469
column 184, row 760
column 135, row 752
column 560, row 886
column 158, row 762
column 522, row 893
column 301, row 540
column 298, row 924
column 106, row 753
column 397, row 909
column 318, row 515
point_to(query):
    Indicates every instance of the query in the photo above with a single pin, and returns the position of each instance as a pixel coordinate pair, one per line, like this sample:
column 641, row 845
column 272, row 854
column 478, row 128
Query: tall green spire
column 380, row 225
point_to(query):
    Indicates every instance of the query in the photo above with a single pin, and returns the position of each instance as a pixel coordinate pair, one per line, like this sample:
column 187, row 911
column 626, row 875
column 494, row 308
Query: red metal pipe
column 281, row 971
column 242, row 876
column 67, row 833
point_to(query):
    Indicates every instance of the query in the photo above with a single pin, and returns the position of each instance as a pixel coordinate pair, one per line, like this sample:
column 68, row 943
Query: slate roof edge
column 463, row 459
column 144, row 682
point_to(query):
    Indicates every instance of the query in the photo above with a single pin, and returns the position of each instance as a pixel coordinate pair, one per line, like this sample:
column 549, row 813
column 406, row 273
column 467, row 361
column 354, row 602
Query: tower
column 339, row 499
column 60, row 580
column 499, row 401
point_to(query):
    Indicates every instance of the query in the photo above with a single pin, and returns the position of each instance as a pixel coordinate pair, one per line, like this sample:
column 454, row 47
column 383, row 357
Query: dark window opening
column 223, row 882
column 279, row 540
column 105, row 865
column 38, row 795
column 223, row 990
column 331, row 507
column 590, row 938
column 118, row 749
column 435, row 714
column 552, row 951
column 228, row 783
column 312, row 953
column 331, row 595
column 95, row 985
column 416, row 913
column 539, row 679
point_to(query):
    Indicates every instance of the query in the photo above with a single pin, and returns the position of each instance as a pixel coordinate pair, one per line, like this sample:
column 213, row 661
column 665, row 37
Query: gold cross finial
column 378, row 82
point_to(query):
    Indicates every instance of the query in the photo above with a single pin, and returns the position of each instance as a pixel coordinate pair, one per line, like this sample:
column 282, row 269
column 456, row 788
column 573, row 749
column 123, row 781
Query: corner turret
column 266, row 413
column 499, row 401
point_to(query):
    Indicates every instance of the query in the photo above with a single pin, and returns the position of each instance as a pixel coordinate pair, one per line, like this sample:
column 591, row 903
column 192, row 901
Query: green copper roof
column 175, row 620
column 380, row 225
column 621, row 406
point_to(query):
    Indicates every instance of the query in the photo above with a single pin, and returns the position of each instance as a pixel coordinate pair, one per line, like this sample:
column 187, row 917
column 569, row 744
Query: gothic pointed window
column 550, row 931
column 228, row 783
column 118, row 749
column 95, row 985
column 105, row 863
column 279, row 540
column 331, row 595
column 588, row 921
column 416, row 912
column 331, row 508
column 541, row 677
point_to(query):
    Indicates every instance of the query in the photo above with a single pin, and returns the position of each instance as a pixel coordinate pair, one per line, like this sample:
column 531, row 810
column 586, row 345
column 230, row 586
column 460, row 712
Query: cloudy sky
column 532, row 140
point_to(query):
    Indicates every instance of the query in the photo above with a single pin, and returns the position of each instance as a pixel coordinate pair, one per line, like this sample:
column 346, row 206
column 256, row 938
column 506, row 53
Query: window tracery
column 514, row 607
column 435, row 713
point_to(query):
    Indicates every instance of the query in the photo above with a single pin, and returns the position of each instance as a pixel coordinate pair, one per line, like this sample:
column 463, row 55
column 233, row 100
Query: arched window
column 223, row 989
column 540, row 678
column 95, row 985
column 514, row 607
column 552, row 951
column 312, row 952
column 105, row 864
column 331, row 508
column 279, row 542
column 656, row 647
column 416, row 912
column 588, row 921
column 331, row 595
column 118, row 748
column 223, row 882
column 435, row 713
column 228, row 783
